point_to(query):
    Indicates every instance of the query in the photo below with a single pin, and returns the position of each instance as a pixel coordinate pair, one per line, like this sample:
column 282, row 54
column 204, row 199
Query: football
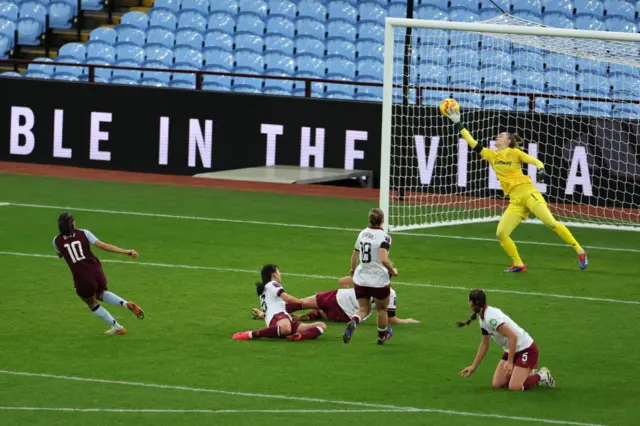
column 448, row 104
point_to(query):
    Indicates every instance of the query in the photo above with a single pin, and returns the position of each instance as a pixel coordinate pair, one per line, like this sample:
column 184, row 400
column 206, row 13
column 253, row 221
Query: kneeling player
column 517, row 370
column 273, row 300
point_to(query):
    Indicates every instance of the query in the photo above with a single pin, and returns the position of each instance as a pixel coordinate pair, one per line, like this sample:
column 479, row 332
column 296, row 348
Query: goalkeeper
column 524, row 197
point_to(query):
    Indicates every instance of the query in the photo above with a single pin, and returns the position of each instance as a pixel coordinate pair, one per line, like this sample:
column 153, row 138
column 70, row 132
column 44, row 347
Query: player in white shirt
column 517, row 370
column 371, row 276
column 274, row 300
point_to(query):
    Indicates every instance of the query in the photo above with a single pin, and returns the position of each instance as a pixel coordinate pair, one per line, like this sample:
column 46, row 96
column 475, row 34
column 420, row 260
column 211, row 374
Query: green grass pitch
column 592, row 346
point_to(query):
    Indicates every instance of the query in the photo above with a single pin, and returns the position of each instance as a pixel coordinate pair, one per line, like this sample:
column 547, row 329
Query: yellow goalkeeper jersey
column 507, row 163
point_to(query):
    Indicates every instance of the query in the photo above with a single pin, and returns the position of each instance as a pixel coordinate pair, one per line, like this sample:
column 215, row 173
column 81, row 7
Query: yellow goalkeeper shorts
column 523, row 198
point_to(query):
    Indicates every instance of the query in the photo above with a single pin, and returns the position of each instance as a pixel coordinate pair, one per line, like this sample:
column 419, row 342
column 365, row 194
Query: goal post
column 573, row 95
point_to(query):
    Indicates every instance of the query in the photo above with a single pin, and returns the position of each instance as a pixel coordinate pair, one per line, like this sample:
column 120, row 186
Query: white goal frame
column 387, row 96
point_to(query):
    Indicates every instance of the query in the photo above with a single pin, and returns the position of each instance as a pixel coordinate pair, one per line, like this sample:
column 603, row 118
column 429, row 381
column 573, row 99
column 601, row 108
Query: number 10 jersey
column 370, row 271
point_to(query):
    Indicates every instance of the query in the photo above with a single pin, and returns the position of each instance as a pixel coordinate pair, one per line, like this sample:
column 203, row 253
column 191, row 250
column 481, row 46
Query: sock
column 113, row 299
column 356, row 319
column 382, row 332
column 314, row 315
column 103, row 314
column 273, row 331
column 531, row 382
column 294, row 307
column 566, row 235
column 312, row 333
column 512, row 251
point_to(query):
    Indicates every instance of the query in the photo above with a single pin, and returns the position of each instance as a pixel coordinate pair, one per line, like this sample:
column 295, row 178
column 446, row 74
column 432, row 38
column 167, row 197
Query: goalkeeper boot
column 583, row 261
column 515, row 268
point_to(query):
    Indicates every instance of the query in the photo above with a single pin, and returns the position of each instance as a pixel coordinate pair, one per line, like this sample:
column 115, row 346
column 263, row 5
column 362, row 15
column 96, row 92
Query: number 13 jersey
column 370, row 271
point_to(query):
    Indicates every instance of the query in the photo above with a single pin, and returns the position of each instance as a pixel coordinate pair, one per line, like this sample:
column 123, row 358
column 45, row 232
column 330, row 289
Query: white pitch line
column 372, row 407
column 299, row 225
column 4, row 204
column 328, row 277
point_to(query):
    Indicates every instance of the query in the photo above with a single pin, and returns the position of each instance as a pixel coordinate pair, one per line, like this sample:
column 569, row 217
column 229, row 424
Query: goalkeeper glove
column 454, row 116
column 542, row 175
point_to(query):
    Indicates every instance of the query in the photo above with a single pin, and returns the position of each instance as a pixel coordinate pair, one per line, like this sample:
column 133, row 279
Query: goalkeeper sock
column 512, row 251
column 566, row 235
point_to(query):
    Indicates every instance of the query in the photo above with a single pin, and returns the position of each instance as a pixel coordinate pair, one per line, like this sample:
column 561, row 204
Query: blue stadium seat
column 467, row 40
column 151, row 82
column 228, row 6
column 104, row 34
column 285, row 8
column 590, row 7
column 530, row 6
column 370, row 49
column 159, row 53
column 472, row 5
column 184, row 80
column 499, row 102
column 184, row 55
column 10, row 74
column 247, row 82
column 529, row 80
column 65, row 77
column 368, row 93
column 124, row 80
column 371, row 31
column 74, row 50
column 220, row 39
column 192, row 19
column 173, row 5
column 130, row 52
column 281, row 25
column 397, row 9
column 563, row 106
column 436, row 55
column 463, row 56
column 317, row 89
column 201, row 6
column 592, row 85
column 180, row 84
column 497, row 78
column 9, row 10
column 495, row 58
column 306, row 44
column 429, row 97
column 278, row 43
column 438, row 38
column 626, row 111
column 131, row 35
column 222, row 81
column 310, row 27
column 341, row 29
column 564, row 7
column 341, row 47
column 620, row 8
column 625, row 86
column 312, row 9
column 461, row 14
column 100, row 50
column 5, row 45
column 372, row 11
column 221, row 21
column 598, row 109
column 31, row 23
column 589, row 22
column 136, row 19
column 339, row 9
column 160, row 35
column 340, row 91
column 615, row 23
column 250, row 42
column 469, row 100
column 370, row 68
column 92, row 4
column 161, row 76
column 68, row 69
column 102, row 73
column 60, row 14
column 560, row 62
column 464, row 77
column 560, row 83
column 431, row 12
column 131, row 74
column 489, row 14
column 432, row 74
column 616, row 69
column 215, row 56
column 337, row 66
column 558, row 20
column 335, row 94
column 246, row 89
column 274, row 91
column 440, row 4
column 491, row 43
column 591, row 66
column 310, row 64
column 164, row 18
column 279, row 62
column 249, row 60
column 286, row 86
column 527, row 59
column 259, row 7
column 529, row 16
column 250, row 23
column 522, row 104
column 40, row 67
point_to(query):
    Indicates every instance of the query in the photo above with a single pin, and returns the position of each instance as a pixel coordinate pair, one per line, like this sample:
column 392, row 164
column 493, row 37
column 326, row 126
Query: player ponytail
column 515, row 140
column 376, row 217
column 265, row 274
column 65, row 224
column 478, row 300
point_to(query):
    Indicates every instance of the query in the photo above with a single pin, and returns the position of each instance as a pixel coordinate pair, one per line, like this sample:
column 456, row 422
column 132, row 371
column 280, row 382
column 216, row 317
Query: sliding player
column 74, row 245
column 524, row 197
column 517, row 370
column 371, row 276
column 273, row 299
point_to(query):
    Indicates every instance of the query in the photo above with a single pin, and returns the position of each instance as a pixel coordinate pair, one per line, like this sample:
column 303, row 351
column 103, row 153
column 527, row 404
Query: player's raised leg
column 507, row 224
column 364, row 310
column 113, row 299
column 542, row 212
column 104, row 315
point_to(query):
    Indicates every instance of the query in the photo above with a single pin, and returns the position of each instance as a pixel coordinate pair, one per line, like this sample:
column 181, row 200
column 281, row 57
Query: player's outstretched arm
column 476, row 146
column 290, row 299
column 113, row 249
column 482, row 351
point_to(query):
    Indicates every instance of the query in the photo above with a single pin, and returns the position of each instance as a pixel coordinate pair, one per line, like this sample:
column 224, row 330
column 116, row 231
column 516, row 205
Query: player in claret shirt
column 273, row 300
column 517, row 370
column 74, row 245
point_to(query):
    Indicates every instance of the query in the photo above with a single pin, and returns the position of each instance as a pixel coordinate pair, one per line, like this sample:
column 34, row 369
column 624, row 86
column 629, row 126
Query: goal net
column 572, row 95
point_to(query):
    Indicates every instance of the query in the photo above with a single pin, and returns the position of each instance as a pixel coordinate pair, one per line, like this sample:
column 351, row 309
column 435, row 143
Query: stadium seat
column 440, row 4
column 504, row 4
column 563, row 106
column 161, row 36
column 161, row 76
column 250, row 23
column 591, row 66
column 598, row 109
column 530, row 6
column 131, row 35
column 529, row 16
column 495, row 58
column 184, row 55
column 136, row 19
column 92, row 5
column 472, row 5
column 259, row 7
column 310, row 64
column 463, row 56
column 338, row 28
column 286, row 86
column 313, row 46
column 370, row 49
column 31, row 23
column 620, row 8
column 228, row 6
column 340, row 91
column 560, row 83
column 432, row 74
column 131, row 74
column 10, row 74
column 616, row 69
column 558, row 20
column 124, row 80
column 222, row 81
column 221, row 21
column 7, row 28
column 560, row 62
column 436, row 55
column 285, row 8
column 317, row 89
column 371, row 31
column 164, row 18
column 527, row 59
column 372, row 11
column 339, row 9
column 246, row 89
column 173, row 5
column 337, row 66
column 65, row 77
column 68, row 69
column 489, row 14
column 625, row 86
column 220, row 39
column 461, row 14
column 280, row 63
column 281, row 25
column 341, row 47
column 60, row 14
column 310, row 27
column 590, row 7
column 496, row 78
column 499, row 102
column 469, row 100
column 312, row 9
column 40, row 66
column 370, row 68
column 9, row 10
column 626, row 111
column 249, row 60
column 564, row 7
column 158, row 53
column 102, row 73
column 278, row 43
column 151, row 82
column 74, row 50
column 247, row 82
column 618, row 24
column 592, row 85
column 104, row 34
column 433, row 37
column 468, row 41
column 491, row 43
column 397, row 9
column 462, row 76
column 201, row 6
column 250, row 42
column 588, row 22
column 368, row 93
column 192, row 19
column 431, row 12
column 522, row 104
column 215, row 56
column 5, row 45
column 529, row 80
column 184, row 80
column 130, row 52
